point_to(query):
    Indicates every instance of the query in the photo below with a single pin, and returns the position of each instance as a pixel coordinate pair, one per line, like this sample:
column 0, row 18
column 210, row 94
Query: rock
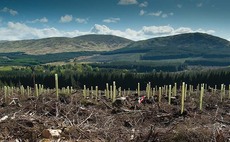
column 51, row 133
column 119, row 102
column 4, row 118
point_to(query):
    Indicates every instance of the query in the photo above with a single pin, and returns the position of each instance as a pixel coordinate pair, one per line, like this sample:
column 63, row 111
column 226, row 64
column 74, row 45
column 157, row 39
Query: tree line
column 77, row 75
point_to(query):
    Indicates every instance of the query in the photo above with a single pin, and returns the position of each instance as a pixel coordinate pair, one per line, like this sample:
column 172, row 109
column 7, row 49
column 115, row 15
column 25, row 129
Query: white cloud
column 199, row 5
column 65, row 19
column 127, row 2
column 132, row 33
column 179, row 5
column 182, row 30
column 11, row 11
column 145, row 32
column 101, row 29
column 82, row 21
column 209, row 31
column 111, row 20
column 20, row 31
column 160, row 14
column 205, row 31
column 142, row 12
column 17, row 31
column 169, row 30
column 42, row 20
column 157, row 30
column 144, row 4
column 128, row 33
column 164, row 15
column 157, row 14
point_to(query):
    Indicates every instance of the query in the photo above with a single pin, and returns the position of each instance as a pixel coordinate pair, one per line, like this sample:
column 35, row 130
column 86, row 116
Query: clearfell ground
column 131, row 118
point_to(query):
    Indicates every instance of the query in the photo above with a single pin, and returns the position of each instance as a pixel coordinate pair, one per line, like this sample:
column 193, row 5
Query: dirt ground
column 74, row 118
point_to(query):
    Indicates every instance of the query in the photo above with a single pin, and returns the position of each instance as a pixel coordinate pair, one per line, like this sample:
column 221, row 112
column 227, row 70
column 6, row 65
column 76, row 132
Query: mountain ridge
column 65, row 44
column 176, row 44
column 112, row 44
column 184, row 49
column 191, row 49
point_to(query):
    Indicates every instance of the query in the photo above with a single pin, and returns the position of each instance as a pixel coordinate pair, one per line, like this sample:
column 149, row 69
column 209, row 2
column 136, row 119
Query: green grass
column 115, row 57
column 5, row 68
column 21, row 59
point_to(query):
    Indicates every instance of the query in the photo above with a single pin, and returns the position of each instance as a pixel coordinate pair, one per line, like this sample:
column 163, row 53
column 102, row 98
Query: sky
column 132, row 19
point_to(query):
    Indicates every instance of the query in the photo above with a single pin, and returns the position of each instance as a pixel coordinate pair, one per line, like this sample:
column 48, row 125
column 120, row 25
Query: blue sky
column 133, row 19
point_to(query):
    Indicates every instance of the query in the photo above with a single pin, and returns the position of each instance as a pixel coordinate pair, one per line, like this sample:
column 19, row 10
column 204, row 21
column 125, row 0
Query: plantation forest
column 77, row 75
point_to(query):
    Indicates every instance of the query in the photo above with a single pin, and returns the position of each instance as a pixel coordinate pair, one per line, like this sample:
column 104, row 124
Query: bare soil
column 26, row 118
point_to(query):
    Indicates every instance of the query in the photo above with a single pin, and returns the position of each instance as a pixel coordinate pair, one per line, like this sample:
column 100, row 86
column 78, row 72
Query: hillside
column 64, row 44
column 191, row 43
column 171, row 53
column 191, row 48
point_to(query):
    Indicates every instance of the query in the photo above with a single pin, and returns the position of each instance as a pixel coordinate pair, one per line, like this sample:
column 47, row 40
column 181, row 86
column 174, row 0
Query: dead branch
column 106, row 104
column 85, row 120
column 82, row 132
column 221, row 121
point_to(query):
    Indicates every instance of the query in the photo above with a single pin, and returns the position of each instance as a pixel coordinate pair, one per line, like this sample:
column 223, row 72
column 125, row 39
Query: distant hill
column 190, row 43
column 2, row 41
column 177, row 52
column 64, row 44
column 191, row 49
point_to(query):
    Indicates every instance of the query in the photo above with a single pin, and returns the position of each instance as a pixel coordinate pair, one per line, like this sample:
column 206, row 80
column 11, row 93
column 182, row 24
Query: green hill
column 191, row 48
column 176, row 52
column 191, row 43
column 64, row 44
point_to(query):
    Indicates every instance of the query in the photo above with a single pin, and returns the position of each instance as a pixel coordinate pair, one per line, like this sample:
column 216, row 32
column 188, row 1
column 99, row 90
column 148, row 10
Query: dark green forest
column 77, row 75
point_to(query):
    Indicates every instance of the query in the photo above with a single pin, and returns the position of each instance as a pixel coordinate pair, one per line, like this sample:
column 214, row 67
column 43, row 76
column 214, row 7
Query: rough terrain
column 28, row 118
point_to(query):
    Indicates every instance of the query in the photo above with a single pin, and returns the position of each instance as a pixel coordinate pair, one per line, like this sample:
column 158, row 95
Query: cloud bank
column 21, row 31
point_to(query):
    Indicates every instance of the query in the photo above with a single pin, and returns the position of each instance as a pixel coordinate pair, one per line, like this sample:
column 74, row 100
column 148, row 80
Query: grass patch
column 6, row 68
